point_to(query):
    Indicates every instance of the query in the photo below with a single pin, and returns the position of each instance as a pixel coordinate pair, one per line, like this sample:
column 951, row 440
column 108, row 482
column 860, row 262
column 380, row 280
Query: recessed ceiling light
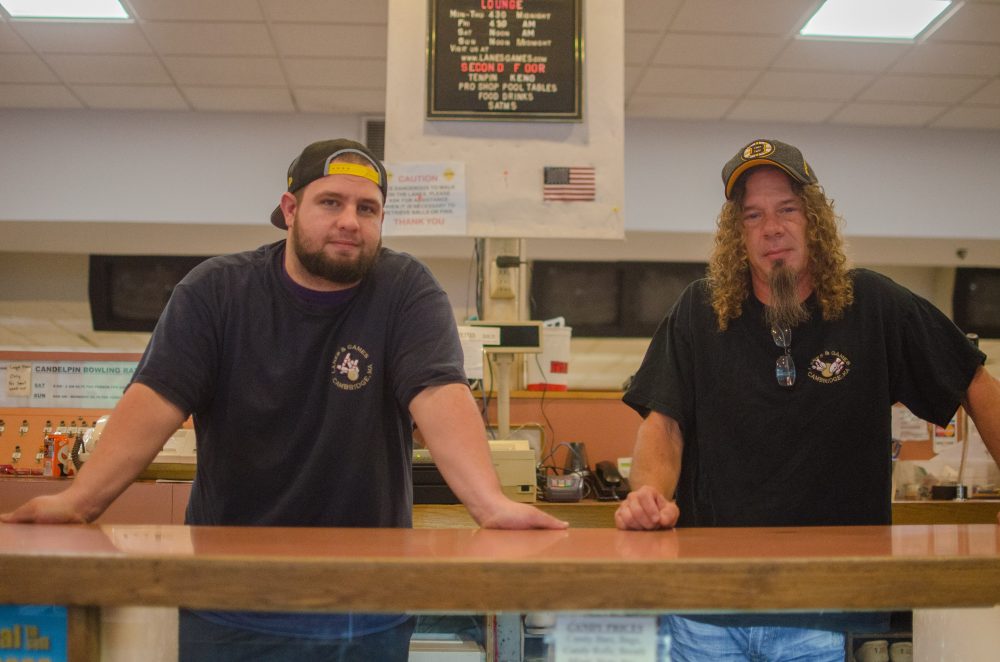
column 873, row 19
column 66, row 9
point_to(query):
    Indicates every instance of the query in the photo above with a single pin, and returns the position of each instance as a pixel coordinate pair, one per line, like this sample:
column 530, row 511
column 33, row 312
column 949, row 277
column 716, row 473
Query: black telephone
column 608, row 482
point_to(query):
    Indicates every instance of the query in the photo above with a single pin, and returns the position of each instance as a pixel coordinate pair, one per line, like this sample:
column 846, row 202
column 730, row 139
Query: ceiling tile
column 685, row 108
column 131, row 97
column 330, row 40
column 679, row 81
column 718, row 51
column 37, row 96
column 241, row 99
column 973, row 22
column 209, row 38
column 109, row 69
column 969, row 117
column 10, row 42
column 990, row 94
column 640, row 46
column 776, row 17
column 197, row 10
column 821, row 55
column 336, row 72
column 24, row 68
column 921, row 89
column 327, row 11
column 962, row 59
column 225, row 71
column 884, row 114
column 813, row 85
column 323, row 100
column 55, row 37
column 761, row 110
column 649, row 14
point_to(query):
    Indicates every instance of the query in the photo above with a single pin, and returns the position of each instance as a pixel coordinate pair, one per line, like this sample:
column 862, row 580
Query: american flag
column 574, row 183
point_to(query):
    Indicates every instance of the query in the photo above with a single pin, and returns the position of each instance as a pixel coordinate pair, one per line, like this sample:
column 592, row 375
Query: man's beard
column 785, row 310
column 341, row 271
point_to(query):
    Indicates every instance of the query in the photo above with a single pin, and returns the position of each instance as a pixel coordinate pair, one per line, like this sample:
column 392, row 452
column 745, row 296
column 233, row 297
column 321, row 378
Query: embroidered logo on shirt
column 351, row 369
column 829, row 367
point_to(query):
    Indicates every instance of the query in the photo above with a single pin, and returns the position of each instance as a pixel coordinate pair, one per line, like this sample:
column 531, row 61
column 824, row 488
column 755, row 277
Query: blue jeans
column 693, row 641
column 203, row 641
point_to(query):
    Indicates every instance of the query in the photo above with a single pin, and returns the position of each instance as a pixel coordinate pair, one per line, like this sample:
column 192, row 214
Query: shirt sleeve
column 426, row 348
column 932, row 360
column 663, row 382
column 182, row 355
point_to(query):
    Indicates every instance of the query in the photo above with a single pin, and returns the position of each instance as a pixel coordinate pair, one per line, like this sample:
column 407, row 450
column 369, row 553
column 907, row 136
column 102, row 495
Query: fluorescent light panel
column 65, row 9
column 873, row 19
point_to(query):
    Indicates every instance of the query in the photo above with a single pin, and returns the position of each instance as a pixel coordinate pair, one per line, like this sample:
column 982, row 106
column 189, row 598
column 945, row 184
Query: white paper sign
column 906, row 426
column 87, row 384
column 605, row 638
column 473, row 338
column 425, row 199
column 18, row 380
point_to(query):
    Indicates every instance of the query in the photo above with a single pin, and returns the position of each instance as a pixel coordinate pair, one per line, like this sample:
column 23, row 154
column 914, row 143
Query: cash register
column 513, row 459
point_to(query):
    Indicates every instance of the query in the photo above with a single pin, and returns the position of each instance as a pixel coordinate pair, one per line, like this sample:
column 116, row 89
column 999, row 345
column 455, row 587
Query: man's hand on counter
column 646, row 509
column 514, row 515
column 48, row 509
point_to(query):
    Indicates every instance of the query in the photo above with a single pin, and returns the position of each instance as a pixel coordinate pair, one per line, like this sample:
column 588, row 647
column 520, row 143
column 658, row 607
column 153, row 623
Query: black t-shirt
column 818, row 453
column 301, row 408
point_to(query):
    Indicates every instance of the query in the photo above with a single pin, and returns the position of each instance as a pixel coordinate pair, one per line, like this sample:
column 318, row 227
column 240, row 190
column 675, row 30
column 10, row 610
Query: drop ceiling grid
column 688, row 59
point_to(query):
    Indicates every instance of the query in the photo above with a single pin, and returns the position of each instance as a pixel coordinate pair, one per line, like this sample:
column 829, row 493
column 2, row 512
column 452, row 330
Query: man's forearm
column 983, row 405
column 135, row 432
column 449, row 421
column 656, row 459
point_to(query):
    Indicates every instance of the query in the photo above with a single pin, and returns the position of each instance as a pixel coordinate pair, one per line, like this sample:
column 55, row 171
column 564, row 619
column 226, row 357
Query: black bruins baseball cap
column 767, row 152
column 320, row 159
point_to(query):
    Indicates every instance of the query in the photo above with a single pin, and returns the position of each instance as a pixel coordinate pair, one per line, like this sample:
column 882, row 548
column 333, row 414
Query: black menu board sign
column 505, row 60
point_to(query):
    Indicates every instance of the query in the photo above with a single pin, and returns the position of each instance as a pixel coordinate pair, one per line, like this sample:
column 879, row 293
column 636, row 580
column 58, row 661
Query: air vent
column 373, row 135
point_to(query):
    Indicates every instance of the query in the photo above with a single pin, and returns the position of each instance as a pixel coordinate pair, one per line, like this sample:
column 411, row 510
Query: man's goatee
column 785, row 310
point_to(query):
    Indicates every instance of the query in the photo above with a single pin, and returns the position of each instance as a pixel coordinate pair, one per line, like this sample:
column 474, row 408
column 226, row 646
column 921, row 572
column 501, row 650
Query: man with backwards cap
column 305, row 364
column 767, row 390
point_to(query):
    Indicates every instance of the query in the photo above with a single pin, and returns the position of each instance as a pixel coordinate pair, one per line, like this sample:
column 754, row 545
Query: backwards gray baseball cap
column 320, row 159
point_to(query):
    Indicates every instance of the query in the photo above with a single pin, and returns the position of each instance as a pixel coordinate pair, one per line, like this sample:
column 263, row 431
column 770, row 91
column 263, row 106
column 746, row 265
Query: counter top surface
column 469, row 545
column 874, row 567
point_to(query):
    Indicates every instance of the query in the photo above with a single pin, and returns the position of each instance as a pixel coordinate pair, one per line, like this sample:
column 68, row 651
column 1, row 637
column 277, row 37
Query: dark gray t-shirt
column 760, row 454
column 818, row 453
column 301, row 405
column 300, row 408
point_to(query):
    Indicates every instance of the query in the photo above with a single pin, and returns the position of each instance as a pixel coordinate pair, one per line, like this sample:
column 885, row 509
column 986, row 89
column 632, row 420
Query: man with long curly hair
column 767, row 390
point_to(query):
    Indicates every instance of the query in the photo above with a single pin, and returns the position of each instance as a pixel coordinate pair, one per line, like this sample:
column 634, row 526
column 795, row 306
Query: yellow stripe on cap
column 743, row 167
column 356, row 169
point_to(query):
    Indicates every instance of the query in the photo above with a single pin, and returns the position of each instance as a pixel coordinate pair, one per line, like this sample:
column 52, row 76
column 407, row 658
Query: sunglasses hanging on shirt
column 784, row 367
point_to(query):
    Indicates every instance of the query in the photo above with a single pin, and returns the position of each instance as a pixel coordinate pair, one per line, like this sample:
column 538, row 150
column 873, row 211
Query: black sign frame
column 445, row 99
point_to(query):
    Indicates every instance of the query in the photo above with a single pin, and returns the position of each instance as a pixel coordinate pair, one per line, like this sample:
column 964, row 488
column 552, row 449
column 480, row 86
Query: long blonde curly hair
column 729, row 266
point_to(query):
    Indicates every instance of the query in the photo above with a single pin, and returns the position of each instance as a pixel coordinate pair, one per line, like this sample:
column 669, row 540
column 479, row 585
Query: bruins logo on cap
column 757, row 149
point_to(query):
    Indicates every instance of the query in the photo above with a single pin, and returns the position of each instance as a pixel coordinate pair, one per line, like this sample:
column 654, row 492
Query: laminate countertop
column 475, row 570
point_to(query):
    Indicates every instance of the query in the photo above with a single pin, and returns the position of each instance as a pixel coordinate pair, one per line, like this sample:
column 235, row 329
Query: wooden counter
column 473, row 570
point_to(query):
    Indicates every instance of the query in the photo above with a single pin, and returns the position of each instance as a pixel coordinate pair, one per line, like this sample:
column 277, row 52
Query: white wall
column 886, row 182
column 152, row 167
column 227, row 168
